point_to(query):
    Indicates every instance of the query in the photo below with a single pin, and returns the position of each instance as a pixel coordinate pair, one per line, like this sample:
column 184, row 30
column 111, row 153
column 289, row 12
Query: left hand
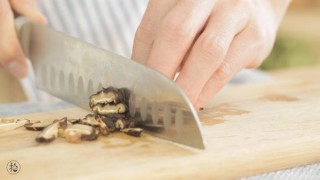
column 12, row 57
column 207, row 41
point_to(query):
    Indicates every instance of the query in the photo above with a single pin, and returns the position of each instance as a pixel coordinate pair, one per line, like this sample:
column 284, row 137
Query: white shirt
column 109, row 24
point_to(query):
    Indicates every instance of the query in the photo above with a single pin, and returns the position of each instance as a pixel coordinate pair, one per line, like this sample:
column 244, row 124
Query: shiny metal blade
column 73, row 70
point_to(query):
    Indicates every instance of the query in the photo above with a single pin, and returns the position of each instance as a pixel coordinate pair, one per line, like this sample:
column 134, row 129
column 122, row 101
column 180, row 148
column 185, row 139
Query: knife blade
column 72, row 70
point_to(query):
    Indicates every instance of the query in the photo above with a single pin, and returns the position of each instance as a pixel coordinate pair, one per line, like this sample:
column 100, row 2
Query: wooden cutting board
column 249, row 129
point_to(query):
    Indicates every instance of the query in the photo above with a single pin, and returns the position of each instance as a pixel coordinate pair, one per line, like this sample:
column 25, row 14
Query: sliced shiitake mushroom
column 63, row 125
column 110, row 106
column 51, row 132
column 90, row 119
column 109, row 110
column 136, row 132
column 106, row 96
column 73, row 136
column 37, row 126
column 121, row 123
column 110, row 123
column 74, row 121
column 104, row 130
column 78, row 132
column 95, row 121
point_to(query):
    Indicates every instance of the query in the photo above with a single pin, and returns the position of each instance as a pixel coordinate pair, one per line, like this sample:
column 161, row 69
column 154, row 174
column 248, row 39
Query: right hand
column 11, row 54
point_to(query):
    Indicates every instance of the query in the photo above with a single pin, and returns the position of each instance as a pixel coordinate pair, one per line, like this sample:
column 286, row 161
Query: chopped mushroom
column 50, row 133
column 106, row 96
column 136, row 132
column 73, row 136
column 121, row 123
column 37, row 126
column 109, row 110
column 110, row 107
column 103, row 128
column 90, row 119
column 104, row 131
column 110, row 123
column 95, row 121
column 86, row 132
column 63, row 125
column 74, row 121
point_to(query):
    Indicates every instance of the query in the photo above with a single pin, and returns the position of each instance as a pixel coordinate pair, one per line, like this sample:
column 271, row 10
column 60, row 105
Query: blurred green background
column 298, row 41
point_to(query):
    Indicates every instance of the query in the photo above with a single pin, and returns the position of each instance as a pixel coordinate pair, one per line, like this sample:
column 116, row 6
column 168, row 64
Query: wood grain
column 249, row 129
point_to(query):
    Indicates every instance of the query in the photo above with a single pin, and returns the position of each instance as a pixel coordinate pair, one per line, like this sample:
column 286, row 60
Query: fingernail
column 17, row 69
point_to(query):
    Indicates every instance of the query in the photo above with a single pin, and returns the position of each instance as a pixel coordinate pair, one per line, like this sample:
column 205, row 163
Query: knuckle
column 177, row 30
column 259, row 34
column 248, row 5
column 245, row 6
column 260, row 39
column 213, row 46
column 223, row 73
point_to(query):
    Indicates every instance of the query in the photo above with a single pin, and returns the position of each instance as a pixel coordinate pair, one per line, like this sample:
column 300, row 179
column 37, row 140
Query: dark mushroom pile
column 110, row 114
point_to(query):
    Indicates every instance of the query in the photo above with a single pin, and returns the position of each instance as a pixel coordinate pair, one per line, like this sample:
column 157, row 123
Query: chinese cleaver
column 72, row 70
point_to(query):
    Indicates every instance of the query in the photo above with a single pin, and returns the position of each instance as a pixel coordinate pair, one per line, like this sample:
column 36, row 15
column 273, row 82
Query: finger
column 238, row 57
column 28, row 8
column 176, row 34
column 210, row 49
column 146, row 31
column 186, row 56
column 11, row 55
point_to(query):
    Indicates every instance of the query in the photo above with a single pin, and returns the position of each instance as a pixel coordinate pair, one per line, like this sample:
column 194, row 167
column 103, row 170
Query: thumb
column 11, row 55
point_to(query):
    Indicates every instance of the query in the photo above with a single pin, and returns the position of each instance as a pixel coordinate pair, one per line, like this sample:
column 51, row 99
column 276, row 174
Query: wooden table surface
column 249, row 129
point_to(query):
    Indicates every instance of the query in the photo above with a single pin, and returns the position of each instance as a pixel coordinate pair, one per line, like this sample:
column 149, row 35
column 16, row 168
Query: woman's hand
column 207, row 41
column 11, row 55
